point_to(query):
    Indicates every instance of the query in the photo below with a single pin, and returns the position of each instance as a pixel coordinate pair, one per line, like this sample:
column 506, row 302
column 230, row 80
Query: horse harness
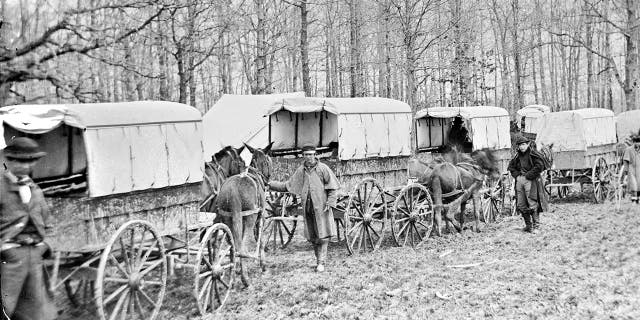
column 257, row 180
column 468, row 167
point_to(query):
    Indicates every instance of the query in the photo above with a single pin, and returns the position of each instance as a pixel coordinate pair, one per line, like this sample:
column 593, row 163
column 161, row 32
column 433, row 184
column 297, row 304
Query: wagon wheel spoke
column 139, row 307
column 125, row 255
column 205, row 287
column 118, row 306
column 115, row 262
column 128, row 304
column 146, row 255
column 146, row 297
column 116, row 293
column 355, row 226
column 417, row 232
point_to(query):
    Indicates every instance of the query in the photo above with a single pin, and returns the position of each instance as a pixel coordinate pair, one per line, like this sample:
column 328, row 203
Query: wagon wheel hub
column 135, row 281
column 367, row 218
column 217, row 271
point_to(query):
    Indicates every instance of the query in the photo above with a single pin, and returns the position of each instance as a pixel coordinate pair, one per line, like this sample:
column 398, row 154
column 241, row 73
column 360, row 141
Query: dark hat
column 24, row 149
column 308, row 148
column 520, row 139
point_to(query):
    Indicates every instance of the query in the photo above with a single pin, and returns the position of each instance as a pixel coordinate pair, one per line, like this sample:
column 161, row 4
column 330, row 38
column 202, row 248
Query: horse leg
column 437, row 207
column 463, row 209
column 450, row 215
column 477, row 206
column 238, row 235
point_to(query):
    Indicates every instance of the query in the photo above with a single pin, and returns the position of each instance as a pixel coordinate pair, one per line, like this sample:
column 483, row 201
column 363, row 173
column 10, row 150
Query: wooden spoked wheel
column 601, row 179
column 80, row 292
column 214, row 269
column 132, row 274
column 365, row 217
column 412, row 218
column 280, row 225
column 493, row 200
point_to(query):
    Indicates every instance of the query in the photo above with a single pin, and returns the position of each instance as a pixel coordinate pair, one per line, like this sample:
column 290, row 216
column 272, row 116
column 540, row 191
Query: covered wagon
column 583, row 146
column 528, row 119
column 123, row 181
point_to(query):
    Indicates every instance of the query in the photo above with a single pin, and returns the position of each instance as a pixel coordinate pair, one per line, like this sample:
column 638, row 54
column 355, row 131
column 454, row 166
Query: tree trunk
column 304, row 48
column 261, row 55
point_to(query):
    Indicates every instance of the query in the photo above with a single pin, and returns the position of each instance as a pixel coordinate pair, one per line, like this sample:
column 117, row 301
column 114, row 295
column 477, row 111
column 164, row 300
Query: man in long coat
column 631, row 164
column 531, row 199
column 23, row 212
column 317, row 186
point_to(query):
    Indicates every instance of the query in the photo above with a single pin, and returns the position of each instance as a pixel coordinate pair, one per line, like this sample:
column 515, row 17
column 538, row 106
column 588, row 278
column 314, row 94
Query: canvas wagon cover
column 576, row 130
column 488, row 126
column 532, row 117
column 627, row 123
column 236, row 119
column 363, row 127
column 129, row 145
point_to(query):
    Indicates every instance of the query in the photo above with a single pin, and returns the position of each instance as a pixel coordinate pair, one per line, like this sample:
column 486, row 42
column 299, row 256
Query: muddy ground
column 584, row 264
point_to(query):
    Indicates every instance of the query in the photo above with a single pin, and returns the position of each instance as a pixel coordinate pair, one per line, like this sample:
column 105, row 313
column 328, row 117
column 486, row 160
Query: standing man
column 631, row 165
column 526, row 168
column 23, row 212
column 459, row 136
column 317, row 186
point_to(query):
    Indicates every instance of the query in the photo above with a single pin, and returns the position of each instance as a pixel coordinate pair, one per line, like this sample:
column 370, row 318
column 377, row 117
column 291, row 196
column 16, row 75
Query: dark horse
column 225, row 163
column 241, row 201
column 457, row 180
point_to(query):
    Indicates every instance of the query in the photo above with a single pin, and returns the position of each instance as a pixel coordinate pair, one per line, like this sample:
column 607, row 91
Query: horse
column 458, row 180
column 224, row 163
column 241, row 202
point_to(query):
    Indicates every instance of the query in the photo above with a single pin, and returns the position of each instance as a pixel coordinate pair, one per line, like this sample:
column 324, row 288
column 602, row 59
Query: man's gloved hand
column 530, row 176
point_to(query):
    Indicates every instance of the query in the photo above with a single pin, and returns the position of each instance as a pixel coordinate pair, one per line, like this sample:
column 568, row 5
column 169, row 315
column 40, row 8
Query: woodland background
column 507, row 53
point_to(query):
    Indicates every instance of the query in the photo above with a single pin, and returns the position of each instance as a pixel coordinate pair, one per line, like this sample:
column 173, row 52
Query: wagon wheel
column 80, row 292
column 600, row 177
column 365, row 217
column 493, row 200
column 132, row 274
column 412, row 218
column 214, row 269
column 278, row 233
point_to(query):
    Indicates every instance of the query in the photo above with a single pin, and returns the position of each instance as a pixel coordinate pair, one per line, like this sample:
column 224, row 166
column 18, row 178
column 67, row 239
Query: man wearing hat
column 23, row 212
column 631, row 164
column 526, row 168
column 317, row 186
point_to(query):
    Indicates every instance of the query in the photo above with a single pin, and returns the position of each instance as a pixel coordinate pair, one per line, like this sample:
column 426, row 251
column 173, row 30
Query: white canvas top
column 129, row 146
column 464, row 112
column 362, row 127
column 236, row 119
column 369, row 105
column 627, row 123
column 577, row 129
column 533, row 110
column 488, row 126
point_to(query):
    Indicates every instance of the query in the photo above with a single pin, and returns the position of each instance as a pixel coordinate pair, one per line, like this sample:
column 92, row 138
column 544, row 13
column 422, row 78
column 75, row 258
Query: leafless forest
column 507, row 53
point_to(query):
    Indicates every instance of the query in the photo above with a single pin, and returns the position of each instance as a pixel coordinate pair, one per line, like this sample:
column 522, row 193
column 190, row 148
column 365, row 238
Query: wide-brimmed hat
column 309, row 148
column 520, row 139
column 23, row 149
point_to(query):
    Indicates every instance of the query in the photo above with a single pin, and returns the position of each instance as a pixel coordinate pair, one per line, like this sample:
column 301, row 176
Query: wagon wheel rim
column 412, row 218
column 214, row 269
column 600, row 175
column 132, row 274
column 278, row 233
column 365, row 217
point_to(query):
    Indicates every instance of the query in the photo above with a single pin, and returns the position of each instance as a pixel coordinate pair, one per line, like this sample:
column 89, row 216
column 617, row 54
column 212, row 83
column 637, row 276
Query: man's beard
column 310, row 163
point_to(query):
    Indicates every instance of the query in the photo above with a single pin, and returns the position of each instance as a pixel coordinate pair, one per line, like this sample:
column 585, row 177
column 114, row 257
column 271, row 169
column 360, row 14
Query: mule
column 241, row 202
column 458, row 180
column 225, row 163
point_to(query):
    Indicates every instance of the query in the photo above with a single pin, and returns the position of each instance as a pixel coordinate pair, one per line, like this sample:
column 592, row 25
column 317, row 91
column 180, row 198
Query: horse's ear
column 239, row 150
column 267, row 149
column 252, row 150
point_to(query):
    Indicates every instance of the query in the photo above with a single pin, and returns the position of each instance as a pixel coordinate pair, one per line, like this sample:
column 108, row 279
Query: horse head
column 229, row 161
column 261, row 161
column 486, row 160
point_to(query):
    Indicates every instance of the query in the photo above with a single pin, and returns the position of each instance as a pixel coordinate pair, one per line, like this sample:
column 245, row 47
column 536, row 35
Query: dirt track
column 585, row 264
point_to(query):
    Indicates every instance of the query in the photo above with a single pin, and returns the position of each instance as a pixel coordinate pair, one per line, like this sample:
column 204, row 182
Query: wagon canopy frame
column 363, row 128
column 488, row 126
column 120, row 147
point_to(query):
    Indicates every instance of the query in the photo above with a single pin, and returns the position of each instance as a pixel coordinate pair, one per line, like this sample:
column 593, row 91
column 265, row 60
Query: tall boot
column 316, row 251
column 535, row 216
column 526, row 215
